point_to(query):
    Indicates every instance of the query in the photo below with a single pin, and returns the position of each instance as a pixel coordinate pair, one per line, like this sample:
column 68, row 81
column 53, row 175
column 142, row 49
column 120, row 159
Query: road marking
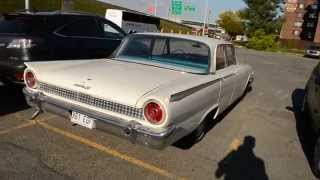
column 234, row 145
column 25, row 125
column 111, row 152
column 6, row 131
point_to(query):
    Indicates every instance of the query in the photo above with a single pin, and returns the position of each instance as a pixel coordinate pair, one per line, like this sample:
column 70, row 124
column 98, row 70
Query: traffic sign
column 189, row 8
column 176, row 7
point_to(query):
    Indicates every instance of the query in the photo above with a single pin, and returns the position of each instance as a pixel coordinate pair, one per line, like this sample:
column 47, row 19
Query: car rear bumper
column 132, row 131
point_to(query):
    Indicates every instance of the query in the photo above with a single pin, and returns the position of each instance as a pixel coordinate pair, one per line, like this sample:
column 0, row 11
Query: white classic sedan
column 155, row 90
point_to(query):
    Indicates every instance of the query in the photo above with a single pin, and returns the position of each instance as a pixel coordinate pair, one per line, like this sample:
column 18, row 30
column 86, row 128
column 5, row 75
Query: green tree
column 262, row 14
column 261, row 41
column 231, row 22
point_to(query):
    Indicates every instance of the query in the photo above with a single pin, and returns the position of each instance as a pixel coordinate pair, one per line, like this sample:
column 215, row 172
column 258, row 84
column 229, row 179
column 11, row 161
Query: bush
column 261, row 41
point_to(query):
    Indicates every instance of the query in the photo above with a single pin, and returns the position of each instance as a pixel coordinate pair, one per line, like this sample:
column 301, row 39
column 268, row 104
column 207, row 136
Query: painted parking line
column 111, row 152
column 234, row 145
column 25, row 125
column 6, row 131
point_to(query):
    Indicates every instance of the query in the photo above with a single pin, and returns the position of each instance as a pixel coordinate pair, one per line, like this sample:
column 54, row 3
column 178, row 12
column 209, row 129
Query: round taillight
column 153, row 113
column 30, row 79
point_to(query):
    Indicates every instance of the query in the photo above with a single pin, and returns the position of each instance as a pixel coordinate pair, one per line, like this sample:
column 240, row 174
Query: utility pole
column 205, row 16
column 27, row 5
column 155, row 7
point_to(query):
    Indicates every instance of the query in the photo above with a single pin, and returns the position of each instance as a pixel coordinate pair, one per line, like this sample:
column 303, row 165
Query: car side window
column 110, row 32
column 220, row 58
column 230, row 55
column 82, row 28
column 160, row 47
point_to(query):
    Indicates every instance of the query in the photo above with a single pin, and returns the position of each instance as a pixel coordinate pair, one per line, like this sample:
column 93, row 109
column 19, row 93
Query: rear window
column 21, row 25
column 191, row 56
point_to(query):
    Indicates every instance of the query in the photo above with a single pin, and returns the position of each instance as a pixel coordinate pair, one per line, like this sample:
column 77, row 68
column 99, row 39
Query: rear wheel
column 196, row 136
column 199, row 133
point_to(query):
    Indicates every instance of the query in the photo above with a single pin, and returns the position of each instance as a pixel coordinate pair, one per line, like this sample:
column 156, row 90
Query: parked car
column 156, row 89
column 312, row 51
column 47, row 36
column 311, row 108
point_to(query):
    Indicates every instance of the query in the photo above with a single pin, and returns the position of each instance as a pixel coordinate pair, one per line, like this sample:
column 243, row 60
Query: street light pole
column 155, row 7
column 27, row 5
column 205, row 17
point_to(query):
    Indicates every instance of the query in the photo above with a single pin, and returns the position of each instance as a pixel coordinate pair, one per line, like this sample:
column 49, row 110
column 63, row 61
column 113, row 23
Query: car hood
column 118, row 81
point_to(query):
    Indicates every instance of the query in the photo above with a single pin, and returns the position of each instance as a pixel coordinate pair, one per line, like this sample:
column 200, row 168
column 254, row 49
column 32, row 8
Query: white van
column 131, row 21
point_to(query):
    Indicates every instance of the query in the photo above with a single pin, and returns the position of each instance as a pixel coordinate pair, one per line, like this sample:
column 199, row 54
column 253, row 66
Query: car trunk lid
column 118, row 81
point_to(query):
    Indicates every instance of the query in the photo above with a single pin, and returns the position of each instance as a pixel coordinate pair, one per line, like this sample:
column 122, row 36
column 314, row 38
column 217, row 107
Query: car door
column 112, row 37
column 84, row 36
column 227, row 74
column 62, row 46
column 240, row 76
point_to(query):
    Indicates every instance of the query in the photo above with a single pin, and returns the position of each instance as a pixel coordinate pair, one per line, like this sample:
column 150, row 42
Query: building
column 211, row 30
column 301, row 26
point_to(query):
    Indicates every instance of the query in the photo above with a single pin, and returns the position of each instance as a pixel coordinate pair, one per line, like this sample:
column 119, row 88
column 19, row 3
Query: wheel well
column 249, row 81
column 212, row 114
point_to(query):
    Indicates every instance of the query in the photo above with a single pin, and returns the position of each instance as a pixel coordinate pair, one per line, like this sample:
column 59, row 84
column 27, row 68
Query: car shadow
column 304, row 131
column 12, row 100
column 242, row 163
column 185, row 144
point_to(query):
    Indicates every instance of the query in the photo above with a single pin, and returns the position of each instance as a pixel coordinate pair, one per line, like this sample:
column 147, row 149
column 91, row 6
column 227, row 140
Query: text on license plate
column 83, row 120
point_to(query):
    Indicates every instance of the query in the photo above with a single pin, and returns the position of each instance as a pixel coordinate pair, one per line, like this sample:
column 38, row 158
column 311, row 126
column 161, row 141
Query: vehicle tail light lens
column 20, row 44
column 153, row 113
column 30, row 79
column 19, row 76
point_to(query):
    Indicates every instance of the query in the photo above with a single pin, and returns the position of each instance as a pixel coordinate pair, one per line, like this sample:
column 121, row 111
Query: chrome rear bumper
column 132, row 130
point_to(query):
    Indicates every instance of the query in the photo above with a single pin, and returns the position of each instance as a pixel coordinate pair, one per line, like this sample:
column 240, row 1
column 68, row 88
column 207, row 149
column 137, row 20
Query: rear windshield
column 21, row 25
column 180, row 54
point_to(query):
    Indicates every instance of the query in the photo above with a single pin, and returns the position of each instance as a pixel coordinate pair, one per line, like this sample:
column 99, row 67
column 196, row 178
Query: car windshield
column 173, row 53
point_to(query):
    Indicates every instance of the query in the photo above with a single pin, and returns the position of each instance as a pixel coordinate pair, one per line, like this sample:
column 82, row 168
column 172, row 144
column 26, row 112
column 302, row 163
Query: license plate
column 83, row 120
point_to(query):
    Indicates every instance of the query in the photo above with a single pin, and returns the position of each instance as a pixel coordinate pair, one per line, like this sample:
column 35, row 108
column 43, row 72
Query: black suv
column 48, row 36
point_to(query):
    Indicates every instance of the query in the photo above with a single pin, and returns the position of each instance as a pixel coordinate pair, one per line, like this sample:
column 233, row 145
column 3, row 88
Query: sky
column 216, row 7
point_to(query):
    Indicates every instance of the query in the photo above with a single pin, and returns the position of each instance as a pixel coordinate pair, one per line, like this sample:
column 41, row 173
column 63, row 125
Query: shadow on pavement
column 304, row 130
column 11, row 100
column 242, row 164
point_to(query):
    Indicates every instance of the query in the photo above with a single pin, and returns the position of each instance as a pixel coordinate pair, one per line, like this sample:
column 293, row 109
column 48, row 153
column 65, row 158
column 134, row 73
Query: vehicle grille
column 92, row 101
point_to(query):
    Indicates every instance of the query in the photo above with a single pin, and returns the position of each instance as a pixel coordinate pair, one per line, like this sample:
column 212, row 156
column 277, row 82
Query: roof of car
column 206, row 40
column 50, row 13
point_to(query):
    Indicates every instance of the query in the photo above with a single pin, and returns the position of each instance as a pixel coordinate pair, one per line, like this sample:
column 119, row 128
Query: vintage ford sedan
column 155, row 90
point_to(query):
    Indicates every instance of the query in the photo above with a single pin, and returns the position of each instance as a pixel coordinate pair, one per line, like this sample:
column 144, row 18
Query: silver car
column 312, row 51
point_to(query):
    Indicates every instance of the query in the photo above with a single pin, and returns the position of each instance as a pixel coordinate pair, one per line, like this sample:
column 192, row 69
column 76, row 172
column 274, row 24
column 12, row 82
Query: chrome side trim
column 181, row 95
column 229, row 76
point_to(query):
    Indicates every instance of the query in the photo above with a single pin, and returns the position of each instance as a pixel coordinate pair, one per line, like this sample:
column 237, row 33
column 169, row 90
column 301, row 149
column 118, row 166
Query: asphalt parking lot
column 261, row 137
